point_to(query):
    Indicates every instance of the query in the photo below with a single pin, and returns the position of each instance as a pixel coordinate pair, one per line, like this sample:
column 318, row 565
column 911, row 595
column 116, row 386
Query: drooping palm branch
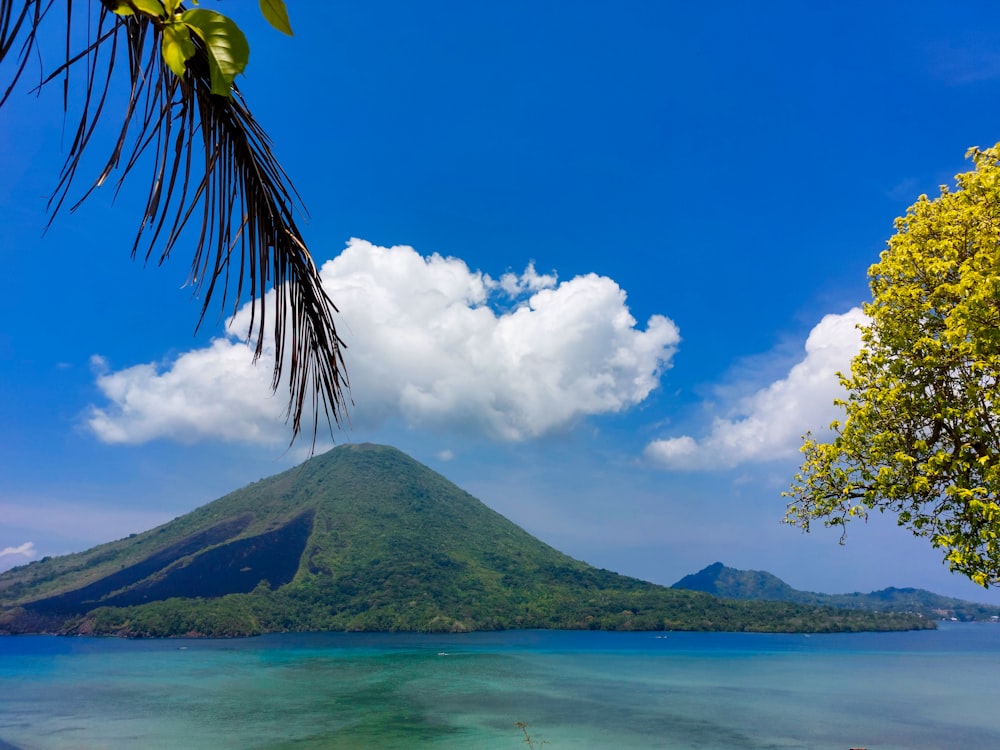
column 210, row 161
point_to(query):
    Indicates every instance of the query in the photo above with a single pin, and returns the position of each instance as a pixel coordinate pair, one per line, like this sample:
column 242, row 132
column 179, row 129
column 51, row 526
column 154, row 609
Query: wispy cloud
column 13, row 556
column 74, row 523
column 26, row 550
column 968, row 60
column 769, row 423
column 430, row 342
column 905, row 190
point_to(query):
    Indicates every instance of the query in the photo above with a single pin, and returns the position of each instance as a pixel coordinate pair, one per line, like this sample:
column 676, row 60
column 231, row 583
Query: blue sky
column 596, row 264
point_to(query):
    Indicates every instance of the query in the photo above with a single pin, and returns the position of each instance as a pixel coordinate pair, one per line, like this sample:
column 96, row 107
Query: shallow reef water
column 890, row 691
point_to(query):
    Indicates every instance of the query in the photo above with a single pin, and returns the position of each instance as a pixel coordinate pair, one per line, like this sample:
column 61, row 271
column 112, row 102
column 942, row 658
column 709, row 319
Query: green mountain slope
column 361, row 538
column 758, row 585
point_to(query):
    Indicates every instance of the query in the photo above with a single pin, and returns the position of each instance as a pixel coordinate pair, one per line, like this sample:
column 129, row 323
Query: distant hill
column 362, row 538
column 758, row 585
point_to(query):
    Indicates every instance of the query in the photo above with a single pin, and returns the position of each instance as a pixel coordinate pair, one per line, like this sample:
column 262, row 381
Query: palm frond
column 18, row 24
column 210, row 160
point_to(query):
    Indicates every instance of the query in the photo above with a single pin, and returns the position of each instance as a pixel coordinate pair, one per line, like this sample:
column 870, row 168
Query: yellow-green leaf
column 921, row 418
column 277, row 15
column 152, row 8
column 177, row 47
column 228, row 50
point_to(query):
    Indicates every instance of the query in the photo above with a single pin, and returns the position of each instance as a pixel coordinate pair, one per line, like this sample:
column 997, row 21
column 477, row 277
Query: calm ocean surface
column 882, row 691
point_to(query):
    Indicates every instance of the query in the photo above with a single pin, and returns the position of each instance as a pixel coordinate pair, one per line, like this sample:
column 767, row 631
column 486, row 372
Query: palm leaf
column 209, row 161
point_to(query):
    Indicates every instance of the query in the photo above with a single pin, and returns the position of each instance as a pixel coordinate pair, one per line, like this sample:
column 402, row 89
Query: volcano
column 362, row 538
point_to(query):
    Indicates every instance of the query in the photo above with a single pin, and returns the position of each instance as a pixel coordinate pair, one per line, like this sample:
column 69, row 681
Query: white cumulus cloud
column 429, row 341
column 204, row 393
column 769, row 423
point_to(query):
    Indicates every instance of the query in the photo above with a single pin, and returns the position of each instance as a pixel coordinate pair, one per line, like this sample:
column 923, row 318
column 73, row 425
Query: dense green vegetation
column 363, row 538
column 719, row 580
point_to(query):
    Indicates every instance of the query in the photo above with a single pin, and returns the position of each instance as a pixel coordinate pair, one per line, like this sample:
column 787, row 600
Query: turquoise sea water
column 882, row 691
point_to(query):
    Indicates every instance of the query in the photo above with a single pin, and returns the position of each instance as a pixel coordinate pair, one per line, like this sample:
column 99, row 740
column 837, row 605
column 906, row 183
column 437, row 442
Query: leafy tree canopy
column 920, row 437
column 186, row 119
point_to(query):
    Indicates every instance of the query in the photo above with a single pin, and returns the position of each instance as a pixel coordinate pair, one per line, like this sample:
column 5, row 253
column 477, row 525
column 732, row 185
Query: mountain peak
column 719, row 580
column 362, row 537
column 758, row 585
